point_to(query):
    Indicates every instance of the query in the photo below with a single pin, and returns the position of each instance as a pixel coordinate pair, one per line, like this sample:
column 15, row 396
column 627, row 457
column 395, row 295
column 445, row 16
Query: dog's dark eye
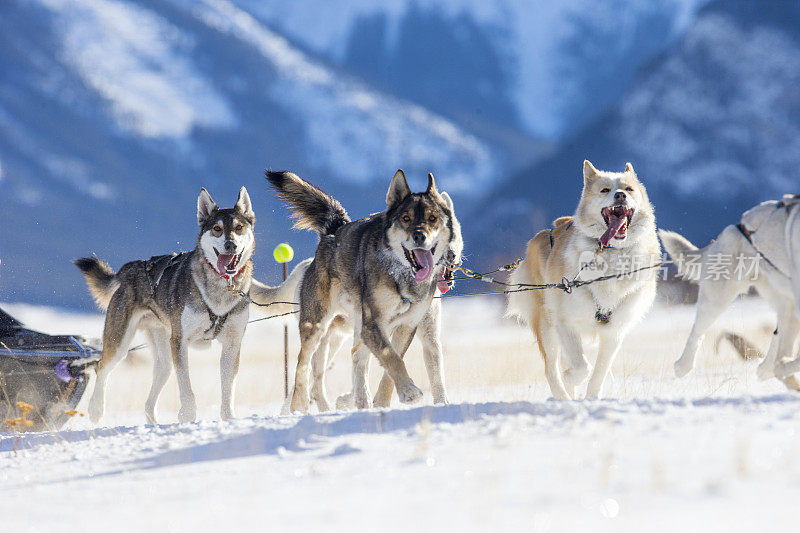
column 217, row 229
column 629, row 189
column 605, row 190
column 406, row 218
column 432, row 219
column 239, row 228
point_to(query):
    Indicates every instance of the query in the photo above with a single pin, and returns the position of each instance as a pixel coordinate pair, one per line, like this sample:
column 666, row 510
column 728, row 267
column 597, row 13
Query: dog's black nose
column 418, row 236
column 619, row 195
column 230, row 247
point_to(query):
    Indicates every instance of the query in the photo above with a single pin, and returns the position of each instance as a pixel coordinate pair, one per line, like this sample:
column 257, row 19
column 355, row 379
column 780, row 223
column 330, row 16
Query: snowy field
column 710, row 452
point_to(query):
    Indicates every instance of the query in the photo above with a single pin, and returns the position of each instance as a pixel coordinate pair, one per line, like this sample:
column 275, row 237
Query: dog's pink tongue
column 615, row 223
column 442, row 283
column 425, row 259
column 223, row 260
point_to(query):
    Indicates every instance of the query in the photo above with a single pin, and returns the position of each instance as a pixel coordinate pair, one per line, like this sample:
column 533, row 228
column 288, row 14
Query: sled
column 42, row 377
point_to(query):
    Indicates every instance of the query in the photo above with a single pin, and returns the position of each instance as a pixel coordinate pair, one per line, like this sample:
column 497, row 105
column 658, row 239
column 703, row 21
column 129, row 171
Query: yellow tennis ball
column 283, row 253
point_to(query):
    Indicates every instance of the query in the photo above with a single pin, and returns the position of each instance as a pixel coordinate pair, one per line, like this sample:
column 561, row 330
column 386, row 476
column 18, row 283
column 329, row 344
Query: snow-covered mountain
column 548, row 68
column 113, row 113
column 712, row 127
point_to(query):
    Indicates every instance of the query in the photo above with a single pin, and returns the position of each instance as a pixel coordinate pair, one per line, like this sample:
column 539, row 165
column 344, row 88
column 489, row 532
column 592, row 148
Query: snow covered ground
column 710, row 452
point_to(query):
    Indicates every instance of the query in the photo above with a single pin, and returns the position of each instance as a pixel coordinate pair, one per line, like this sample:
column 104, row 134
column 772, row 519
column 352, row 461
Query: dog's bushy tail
column 311, row 207
column 272, row 300
column 681, row 251
column 100, row 278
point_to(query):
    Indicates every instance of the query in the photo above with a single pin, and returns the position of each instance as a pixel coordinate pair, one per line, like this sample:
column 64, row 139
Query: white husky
column 762, row 251
column 614, row 226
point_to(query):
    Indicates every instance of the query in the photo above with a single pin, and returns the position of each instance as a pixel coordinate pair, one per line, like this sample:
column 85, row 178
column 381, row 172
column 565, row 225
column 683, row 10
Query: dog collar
column 223, row 275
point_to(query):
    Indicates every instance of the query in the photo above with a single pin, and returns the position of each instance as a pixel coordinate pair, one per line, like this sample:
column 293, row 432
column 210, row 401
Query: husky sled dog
column 182, row 300
column 428, row 330
column 379, row 273
column 614, row 226
column 762, row 251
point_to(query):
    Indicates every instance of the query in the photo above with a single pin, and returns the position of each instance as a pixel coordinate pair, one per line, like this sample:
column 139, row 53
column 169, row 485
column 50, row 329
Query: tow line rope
column 246, row 297
column 566, row 284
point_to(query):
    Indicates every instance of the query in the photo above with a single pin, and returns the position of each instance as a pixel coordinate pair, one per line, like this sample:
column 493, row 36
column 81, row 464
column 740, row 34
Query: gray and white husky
column 429, row 330
column 380, row 274
column 763, row 252
column 183, row 300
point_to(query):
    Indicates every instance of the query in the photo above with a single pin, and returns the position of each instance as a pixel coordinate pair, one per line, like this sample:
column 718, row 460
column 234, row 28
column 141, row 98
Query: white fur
column 776, row 235
column 568, row 324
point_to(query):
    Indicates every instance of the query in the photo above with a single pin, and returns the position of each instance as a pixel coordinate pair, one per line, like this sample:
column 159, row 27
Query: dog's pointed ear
column 398, row 189
column 629, row 168
column 243, row 204
column 589, row 173
column 205, row 206
column 431, row 185
column 448, row 201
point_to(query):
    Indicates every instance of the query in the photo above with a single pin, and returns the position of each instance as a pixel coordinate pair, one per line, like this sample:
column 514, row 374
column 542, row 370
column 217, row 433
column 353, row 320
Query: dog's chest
column 204, row 325
column 217, row 296
column 600, row 300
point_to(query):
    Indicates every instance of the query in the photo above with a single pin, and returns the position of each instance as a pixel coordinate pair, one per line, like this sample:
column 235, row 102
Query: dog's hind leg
column 401, row 340
column 783, row 339
column 314, row 323
column 361, row 394
column 162, row 368
column 120, row 327
column 327, row 349
column 714, row 297
column 788, row 329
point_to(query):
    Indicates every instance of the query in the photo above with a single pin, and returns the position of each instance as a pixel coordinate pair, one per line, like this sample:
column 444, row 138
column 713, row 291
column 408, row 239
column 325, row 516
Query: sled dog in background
column 612, row 231
column 183, row 300
column 763, row 252
column 380, row 272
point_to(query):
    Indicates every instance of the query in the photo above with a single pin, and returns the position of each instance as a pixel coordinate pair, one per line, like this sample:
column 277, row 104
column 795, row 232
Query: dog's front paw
column 574, row 377
column 792, row 383
column 322, row 404
column 362, row 399
column 441, row 400
column 783, row 370
column 382, row 400
column 187, row 414
column 409, row 394
column 561, row 395
column 765, row 371
column 300, row 402
column 345, row 402
column 226, row 413
column 95, row 413
column 682, row 368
